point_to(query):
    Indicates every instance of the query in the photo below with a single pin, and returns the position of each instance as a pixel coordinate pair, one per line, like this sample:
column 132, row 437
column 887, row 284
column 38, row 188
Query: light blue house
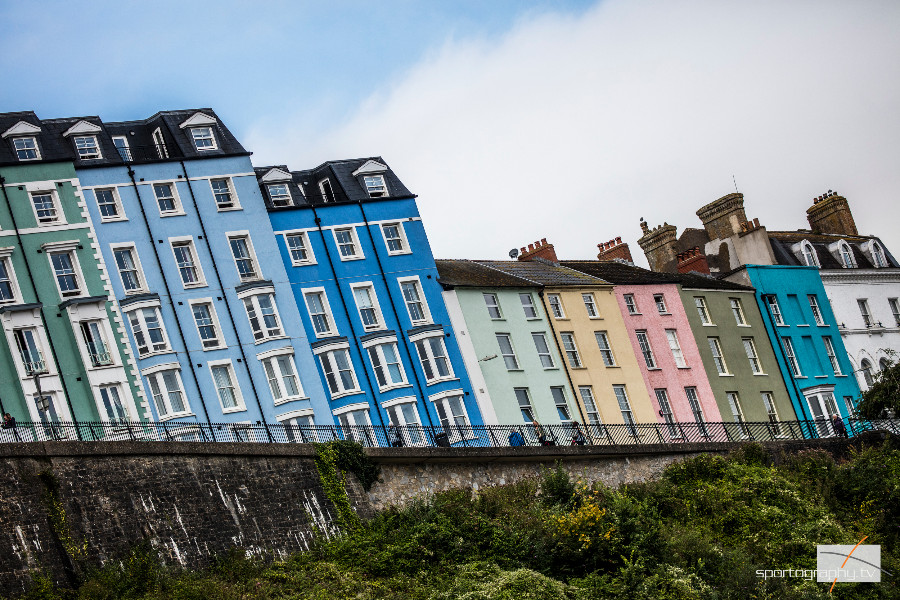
column 808, row 345
column 194, row 265
column 365, row 280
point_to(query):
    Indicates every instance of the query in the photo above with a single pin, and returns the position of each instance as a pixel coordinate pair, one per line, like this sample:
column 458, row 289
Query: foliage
column 884, row 395
column 332, row 479
column 700, row 532
column 350, row 456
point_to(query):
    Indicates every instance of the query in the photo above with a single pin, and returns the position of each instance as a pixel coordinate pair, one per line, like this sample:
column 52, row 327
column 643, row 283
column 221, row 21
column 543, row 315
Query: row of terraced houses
column 150, row 272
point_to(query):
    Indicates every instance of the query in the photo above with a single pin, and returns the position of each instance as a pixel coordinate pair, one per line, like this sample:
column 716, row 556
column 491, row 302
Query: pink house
column 662, row 339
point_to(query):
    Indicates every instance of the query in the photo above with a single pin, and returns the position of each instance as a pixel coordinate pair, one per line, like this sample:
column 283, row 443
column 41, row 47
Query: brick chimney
column 540, row 249
column 830, row 213
column 614, row 249
column 658, row 245
column 722, row 218
column 692, row 260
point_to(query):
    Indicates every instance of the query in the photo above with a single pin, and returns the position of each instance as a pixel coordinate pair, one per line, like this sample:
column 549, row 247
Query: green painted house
column 63, row 354
column 508, row 345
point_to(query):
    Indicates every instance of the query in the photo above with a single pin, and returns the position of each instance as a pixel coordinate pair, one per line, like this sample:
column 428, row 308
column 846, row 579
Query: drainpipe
column 169, row 293
column 227, row 304
column 800, row 396
column 562, row 357
column 396, row 315
column 347, row 313
column 62, row 378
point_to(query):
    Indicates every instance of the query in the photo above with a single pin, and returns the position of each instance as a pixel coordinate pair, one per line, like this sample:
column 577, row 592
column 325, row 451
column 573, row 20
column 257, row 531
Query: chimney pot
column 618, row 240
column 522, row 251
column 543, row 240
column 530, row 247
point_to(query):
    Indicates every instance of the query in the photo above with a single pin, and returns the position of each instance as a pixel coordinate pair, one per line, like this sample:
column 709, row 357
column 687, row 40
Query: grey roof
column 468, row 273
column 179, row 145
column 304, row 184
column 545, row 273
column 781, row 242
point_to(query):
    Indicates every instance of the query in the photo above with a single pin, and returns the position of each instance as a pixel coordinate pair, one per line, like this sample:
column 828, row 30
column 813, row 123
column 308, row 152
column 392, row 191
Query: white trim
column 446, row 394
column 370, row 166
column 342, row 225
column 303, row 412
column 137, row 263
column 61, row 246
column 358, row 254
column 235, row 201
column 275, row 352
column 238, row 394
column 257, row 267
column 331, row 348
column 376, row 306
column 82, row 127
column 176, row 199
column 402, row 400
column 187, row 240
column 60, row 218
column 161, row 367
column 381, row 339
column 427, row 334
column 421, row 290
column 404, row 242
column 220, row 333
column 332, row 330
column 276, row 175
column 351, row 408
column 117, row 200
column 21, row 129
column 310, row 255
column 152, row 303
column 198, row 119
column 256, row 291
column 47, row 229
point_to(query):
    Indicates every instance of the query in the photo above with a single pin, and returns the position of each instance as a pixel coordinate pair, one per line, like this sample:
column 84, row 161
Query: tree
column 883, row 396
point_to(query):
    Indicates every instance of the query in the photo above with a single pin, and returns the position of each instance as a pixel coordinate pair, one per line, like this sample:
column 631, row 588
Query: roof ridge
column 540, row 285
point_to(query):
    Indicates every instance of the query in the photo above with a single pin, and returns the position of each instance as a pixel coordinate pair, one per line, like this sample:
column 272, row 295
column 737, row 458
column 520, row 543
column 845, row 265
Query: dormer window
column 878, row 257
column 204, row 138
column 86, row 146
column 279, row 194
column 809, row 254
column 160, row 142
column 327, row 192
column 847, row 256
column 375, row 186
column 26, row 148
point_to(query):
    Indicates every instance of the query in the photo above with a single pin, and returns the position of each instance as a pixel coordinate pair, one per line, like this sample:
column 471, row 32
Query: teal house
column 807, row 342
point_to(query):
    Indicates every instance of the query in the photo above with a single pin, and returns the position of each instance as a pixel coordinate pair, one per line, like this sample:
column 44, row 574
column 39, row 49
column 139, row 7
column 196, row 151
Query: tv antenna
column 513, row 253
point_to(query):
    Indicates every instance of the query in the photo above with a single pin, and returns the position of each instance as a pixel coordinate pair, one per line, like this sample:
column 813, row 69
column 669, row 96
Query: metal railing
column 458, row 436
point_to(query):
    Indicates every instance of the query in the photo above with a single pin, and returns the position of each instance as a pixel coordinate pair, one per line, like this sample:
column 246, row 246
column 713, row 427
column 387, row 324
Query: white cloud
column 571, row 127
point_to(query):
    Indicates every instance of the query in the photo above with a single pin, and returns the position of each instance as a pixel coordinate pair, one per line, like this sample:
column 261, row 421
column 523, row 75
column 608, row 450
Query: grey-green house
column 508, row 345
column 735, row 349
column 63, row 353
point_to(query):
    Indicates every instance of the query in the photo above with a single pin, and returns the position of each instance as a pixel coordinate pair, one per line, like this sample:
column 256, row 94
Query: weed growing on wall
column 333, row 483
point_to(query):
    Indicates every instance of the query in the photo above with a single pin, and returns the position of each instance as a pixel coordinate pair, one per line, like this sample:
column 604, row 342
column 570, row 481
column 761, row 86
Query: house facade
column 64, row 356
column 807, row 340
column 195, row 268
column 508, row 345
column 363, row 276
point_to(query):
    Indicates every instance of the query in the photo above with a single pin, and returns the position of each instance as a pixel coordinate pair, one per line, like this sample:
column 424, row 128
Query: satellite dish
column 513, row 253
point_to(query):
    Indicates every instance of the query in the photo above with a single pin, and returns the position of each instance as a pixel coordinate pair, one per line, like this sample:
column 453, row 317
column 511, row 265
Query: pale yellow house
column 591, row 336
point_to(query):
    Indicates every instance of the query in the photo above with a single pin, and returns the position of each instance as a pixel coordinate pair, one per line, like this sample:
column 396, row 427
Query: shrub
column 556, row 487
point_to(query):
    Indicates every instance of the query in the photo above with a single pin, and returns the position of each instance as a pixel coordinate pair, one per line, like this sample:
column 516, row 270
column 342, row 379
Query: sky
column 512, row 120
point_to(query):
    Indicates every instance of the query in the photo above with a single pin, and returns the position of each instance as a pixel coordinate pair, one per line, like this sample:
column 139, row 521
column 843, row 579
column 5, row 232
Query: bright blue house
column 365, row 280
column 193, row 262
column 808, row 345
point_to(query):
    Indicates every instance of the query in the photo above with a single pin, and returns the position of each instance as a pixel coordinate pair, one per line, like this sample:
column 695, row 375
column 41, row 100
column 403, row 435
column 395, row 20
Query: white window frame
column 7, row 264
column 568, row 339
column 590, row 305
column 401, row 231
column 220, row 334
column 528, row 306
column 117, row 202
column 768, row 399
column 546, row 356
column 586, row 393
column 124, row 150
column 625, row 407
column 59, row 216
column 737, row 411
column 376, row 351
column 252, row 296
column 449, row 420
column 35, row 148
column 563, row 410
column 30, row 367
column 373, row 189
column 509, row 356
column 95, row 360
column 155, row 375
column 422, row 342
column 865, row 312
column 273, row 359
column 848, row 261
column 354, row 240
column 737, row 309
column 104, row 391
column 752, row 356
column 195, row 138
column 816, row 310
column 177, row 209
column 791, row 356
column 159, row 141
column 523, row 401
column 188, row 242
column 278, row 199
column 369, row 288
column 894, row 304
column 832, row 355
column 660, row 301
column 329, row 316
column 307, row 247
column 139, row 270
column 556, row 307
column 329, row 365
column 879, row 258
column 703, row 311
column 630, row 304
column 602, row 338
column 232, row 194
column 675, row 347
column 715, row 347
column 138, row 310
column 495, row 306
column 96, row 154
column 411, row 432
column 646, row 349
column 665, row 411
column 332, row 197
column 810, row 259
column 254, row 262
column 775, row 310
column 693, row 398
column 226, row 363
column 417, row 284
column 76, row 268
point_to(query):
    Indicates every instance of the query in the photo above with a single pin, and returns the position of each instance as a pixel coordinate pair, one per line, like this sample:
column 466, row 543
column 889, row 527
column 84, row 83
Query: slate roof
column 54, row 146
column 702, row 282
column 545, row 273
column 347, row 188
column 468, row 273
column 619, row 273
column 781, row 242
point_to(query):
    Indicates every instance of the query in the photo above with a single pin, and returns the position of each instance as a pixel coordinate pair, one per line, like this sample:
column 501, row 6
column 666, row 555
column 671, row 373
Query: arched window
column 809, row 255
column 884, row 364
column 847, row 256
column 878, row 257
column 866, row 368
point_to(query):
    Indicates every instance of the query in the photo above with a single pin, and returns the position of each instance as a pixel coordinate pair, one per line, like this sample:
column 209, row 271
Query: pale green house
column 508, row 346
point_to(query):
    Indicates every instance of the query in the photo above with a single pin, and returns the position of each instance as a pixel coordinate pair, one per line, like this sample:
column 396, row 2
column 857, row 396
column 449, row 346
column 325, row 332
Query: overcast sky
column 513, row 121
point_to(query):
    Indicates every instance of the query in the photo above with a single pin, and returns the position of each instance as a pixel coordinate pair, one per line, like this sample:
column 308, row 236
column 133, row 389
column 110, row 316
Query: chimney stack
column 830, row 213
column 614, row 249
column 722, row 218
column 658, row 245
column 692, row 260
column 540, row 249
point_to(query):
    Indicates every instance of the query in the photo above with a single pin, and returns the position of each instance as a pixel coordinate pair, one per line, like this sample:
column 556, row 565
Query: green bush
column 556, row 487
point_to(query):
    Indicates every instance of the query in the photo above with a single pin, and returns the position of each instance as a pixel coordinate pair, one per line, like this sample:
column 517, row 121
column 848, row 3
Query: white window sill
column 822, row 325
column 326, row 334
column 399, row 252
column 351, row 258
column 113, row 219
column 684, row 367
column 500, row 319
column 269, row 339
column 230, row 209
column 560, row 318
column 802, row 324
column 305, row 263
column 212, row 349
column 191, row 286
column 337, row 395
column 665, row 314
column 136, row 292
column 102, row 367
column 551, row 368
column 235, row 409
column 395, row 386
column 612, row 366
column 532, row 318
column 760, row 374
column 654, row 368
column 289, row 399
column 744, row 325
column 820, row 377
column 597, row 318
column 709, row 324
column 180, row 416
column 726, row 374
column 156, row 353
column 423, row 322
column 631, row 314
column 781, row 325
column 839, row 375
column 799, row 376
column 441, row 380
column 173, row 214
